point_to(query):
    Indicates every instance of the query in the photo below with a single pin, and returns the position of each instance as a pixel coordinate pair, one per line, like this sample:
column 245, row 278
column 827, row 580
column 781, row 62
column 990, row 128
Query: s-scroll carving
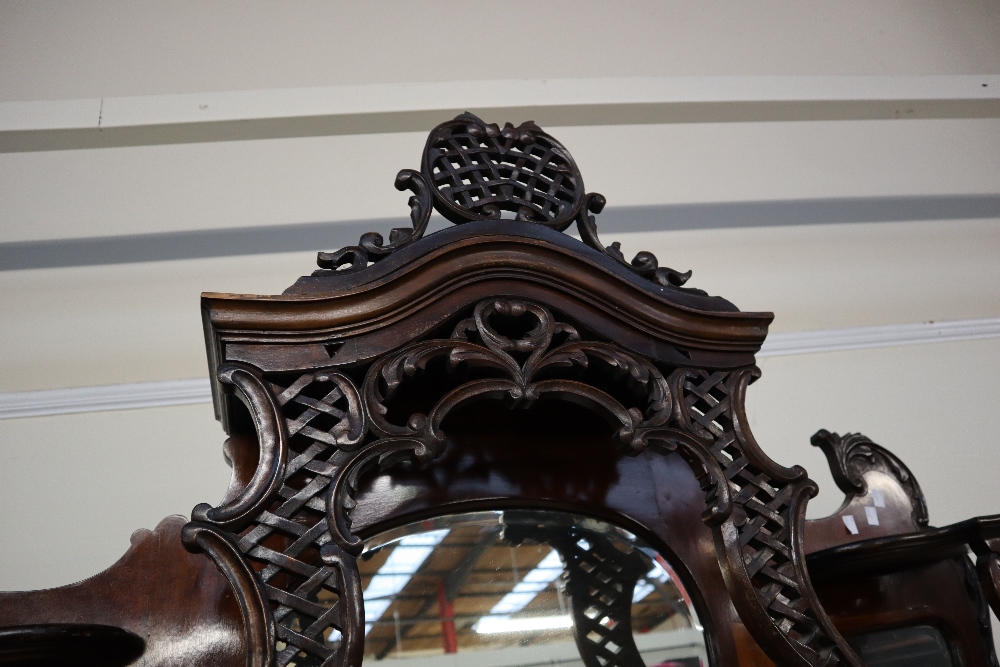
column 295, row 536
column 380, row 456
column 250, row 594
column 473, row 170
column 853, row 455
column 371, row 247
column 543, row 359
column 272, row 436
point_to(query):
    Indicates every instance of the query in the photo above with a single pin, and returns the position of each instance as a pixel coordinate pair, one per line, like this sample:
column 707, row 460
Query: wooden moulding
column 497, row 364
column 352, row 318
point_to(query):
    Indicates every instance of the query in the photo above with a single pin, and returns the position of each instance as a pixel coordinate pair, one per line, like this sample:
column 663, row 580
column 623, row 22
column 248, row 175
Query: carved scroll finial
column 473, row 170
column 852, row 455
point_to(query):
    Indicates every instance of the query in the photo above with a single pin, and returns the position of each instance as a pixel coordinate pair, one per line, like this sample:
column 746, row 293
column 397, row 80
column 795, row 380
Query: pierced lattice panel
column 285, row 541
column 516, row 169
column 761, row 514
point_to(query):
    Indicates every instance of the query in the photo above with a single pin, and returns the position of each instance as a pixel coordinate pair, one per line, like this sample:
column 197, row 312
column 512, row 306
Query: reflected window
column 524, row 587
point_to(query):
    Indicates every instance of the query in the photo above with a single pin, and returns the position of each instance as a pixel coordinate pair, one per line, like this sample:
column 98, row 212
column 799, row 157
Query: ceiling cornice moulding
column 166, row 393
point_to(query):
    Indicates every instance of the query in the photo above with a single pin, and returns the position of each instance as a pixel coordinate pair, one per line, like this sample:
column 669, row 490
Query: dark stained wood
column 511, row 369
column 871, row 477
column 54, row 645
column 371, row 359
column 897, row 552
column 496, row 364
column 988, row 567
column 177, row 603
column 943, row 594
column 421, row 286
column 899, row 572
column 573, row 468
column 472, row 171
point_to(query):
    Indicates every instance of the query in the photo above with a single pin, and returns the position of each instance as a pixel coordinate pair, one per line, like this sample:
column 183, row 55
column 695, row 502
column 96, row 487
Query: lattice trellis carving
column 757, row 542
column 480, row 170
column 311, row 586
column 297, row 535
column 319, row 432
column 309, row 581
column 473, row 170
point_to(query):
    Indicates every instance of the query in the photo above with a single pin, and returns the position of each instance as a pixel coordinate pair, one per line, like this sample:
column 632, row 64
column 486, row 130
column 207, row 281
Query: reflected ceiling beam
column 164, row 393
column 267, row 239
column 413, row 107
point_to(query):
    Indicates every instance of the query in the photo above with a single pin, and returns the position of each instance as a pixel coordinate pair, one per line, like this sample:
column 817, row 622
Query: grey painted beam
column 331, row 235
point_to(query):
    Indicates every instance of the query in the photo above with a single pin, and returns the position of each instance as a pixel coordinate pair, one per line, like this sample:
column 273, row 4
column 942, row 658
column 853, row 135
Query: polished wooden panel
column 944, row 594
column 177, row 602
column 893, row 570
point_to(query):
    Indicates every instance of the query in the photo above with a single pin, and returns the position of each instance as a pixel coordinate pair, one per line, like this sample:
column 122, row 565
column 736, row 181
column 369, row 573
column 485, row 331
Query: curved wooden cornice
column 339, row 318
column 429, row 277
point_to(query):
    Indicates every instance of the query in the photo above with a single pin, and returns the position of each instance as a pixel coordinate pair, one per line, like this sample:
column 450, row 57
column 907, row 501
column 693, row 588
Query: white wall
column 62, row 50
column 74, row 486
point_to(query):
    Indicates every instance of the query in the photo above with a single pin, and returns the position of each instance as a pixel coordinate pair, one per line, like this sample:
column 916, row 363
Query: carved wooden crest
column 363, row 370
column 472, row 170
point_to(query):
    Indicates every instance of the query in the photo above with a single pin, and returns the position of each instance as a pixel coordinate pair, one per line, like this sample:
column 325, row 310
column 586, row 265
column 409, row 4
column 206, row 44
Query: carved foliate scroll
column 758, row 540
column 473, row 170
column 300, row 594
column 853, row 455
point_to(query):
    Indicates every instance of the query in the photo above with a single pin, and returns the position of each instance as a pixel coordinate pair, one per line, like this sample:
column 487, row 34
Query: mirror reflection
column 524, row 587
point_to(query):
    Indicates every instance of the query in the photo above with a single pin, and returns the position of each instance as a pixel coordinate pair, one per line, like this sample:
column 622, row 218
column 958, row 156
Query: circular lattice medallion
column 478, row 171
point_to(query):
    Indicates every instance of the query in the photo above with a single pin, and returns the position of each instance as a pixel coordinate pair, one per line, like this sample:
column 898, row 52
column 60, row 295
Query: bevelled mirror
column 523, row 587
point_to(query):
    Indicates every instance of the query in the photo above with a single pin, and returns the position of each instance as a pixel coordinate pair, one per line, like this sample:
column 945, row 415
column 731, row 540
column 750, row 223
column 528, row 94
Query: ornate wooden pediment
column 355, row 394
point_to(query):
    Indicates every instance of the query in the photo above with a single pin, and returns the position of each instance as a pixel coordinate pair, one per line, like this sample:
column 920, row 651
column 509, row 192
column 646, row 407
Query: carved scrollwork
column 371, row 247
column 350, row 605
column 273, row 438
column 644, row 263
column 304, row 588
column 380, row 456
column 852, row 455
column 473, row 170
column 257, row 619
column 300, row 537
column 524, row 368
